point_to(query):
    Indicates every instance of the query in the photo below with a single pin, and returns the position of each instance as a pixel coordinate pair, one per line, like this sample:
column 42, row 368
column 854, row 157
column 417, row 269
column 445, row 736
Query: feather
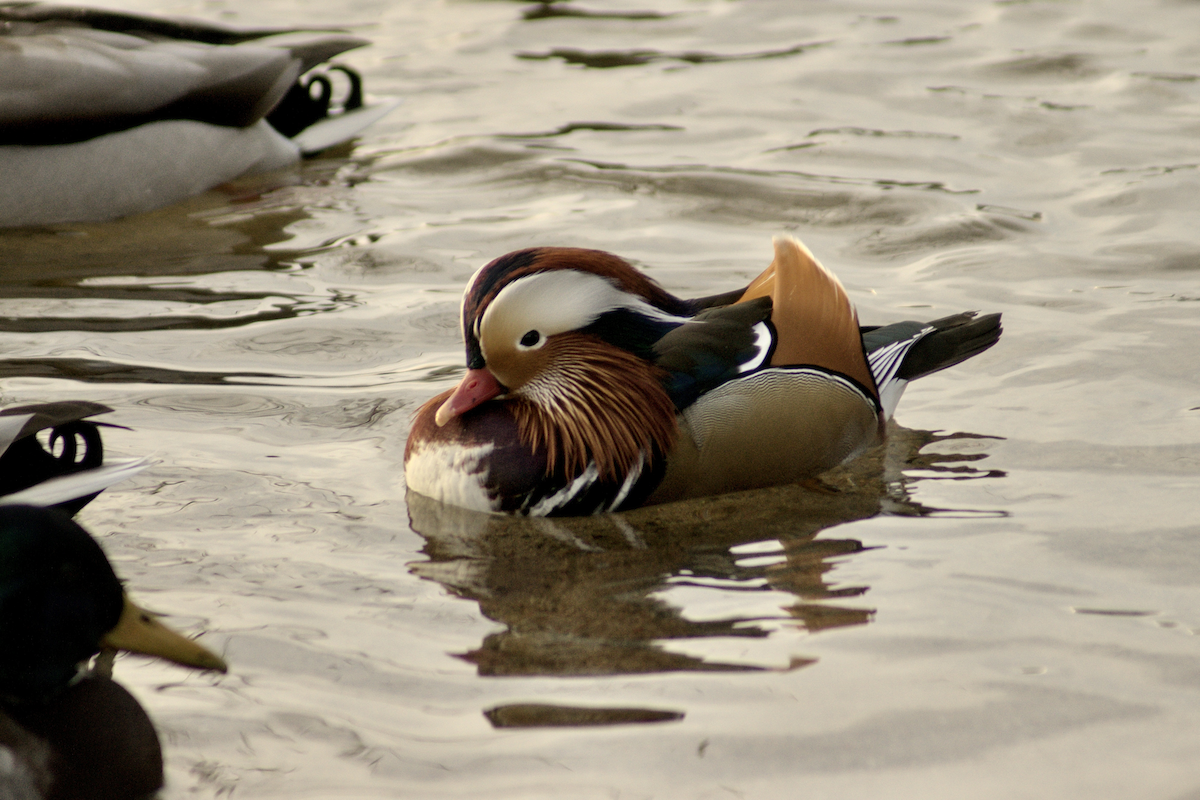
column 72, row 471
column 74, row 84
column 106, row 114
column 953, row 340
column 502, row 272
column 610, row 393
column 596, row 403
column 815, row 321
column 905, row 351
column 712, row 348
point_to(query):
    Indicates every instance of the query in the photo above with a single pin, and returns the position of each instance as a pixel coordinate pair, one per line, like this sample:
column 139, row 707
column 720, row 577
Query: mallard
column 105, row 114
column 72, row 471
column 590, row 388
column 66, row 732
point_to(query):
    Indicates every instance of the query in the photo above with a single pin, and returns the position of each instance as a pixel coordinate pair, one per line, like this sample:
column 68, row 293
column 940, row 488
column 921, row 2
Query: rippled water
column 1007, row 608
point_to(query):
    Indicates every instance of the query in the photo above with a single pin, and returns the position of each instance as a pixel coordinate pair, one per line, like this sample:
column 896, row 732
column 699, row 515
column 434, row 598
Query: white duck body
column 133, row 171
column 102, row 122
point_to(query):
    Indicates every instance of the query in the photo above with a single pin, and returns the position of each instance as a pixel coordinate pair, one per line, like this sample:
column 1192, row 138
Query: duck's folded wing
column 904, row 351
column 334, row 130
column 76, row 84
column 71, row 469
column 67, row 488
column 13, row 14
column 17, row 422
column 713, row 347
column 815, row 321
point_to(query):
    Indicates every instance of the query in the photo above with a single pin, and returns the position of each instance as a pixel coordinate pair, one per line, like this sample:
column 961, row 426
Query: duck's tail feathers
column 905, row 351
column 66, row 471
column 335, row 130
column 316, row 50
column 72, row 492
column 953, row 340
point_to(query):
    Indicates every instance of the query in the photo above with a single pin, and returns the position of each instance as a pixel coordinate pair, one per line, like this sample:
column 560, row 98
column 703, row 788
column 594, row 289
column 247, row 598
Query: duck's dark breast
column 478, row 460
column 475, row 460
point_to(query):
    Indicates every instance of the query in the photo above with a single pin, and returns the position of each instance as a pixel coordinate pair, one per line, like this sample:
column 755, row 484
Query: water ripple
column 100, row 371
column 551, row 9
column 607, row 59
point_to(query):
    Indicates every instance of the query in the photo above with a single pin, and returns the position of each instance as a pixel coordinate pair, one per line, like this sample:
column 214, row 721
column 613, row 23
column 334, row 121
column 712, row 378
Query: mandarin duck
column 66, row 732
column 589, row 388
column 104, row 114
column 68, row 469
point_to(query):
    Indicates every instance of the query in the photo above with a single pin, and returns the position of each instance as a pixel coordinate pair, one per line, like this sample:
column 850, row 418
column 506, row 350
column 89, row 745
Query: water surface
column 1002, row 603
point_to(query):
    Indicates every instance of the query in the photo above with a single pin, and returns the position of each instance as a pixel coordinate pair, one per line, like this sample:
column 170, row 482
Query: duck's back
column 812, row 407
column 104, row 115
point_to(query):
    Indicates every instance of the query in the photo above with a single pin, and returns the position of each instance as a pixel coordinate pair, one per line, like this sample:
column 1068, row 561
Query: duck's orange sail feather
column 812, row 314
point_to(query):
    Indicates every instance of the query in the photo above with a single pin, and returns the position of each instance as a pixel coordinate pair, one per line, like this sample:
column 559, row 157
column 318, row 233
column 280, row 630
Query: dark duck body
column 52, row 454
column 589, row 388
column 66, row 733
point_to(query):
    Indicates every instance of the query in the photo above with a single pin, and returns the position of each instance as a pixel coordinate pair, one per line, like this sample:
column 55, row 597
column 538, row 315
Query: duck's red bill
column 477, row 386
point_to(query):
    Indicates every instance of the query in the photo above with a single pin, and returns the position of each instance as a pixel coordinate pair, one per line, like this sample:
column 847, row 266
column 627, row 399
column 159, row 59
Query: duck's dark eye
column 530, row 339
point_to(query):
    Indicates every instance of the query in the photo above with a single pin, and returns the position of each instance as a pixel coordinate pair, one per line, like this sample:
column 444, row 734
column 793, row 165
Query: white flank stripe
column 567, row 493
column 630, row 480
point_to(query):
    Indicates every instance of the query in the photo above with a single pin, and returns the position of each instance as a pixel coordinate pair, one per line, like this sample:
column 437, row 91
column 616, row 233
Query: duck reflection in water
column 585, row 595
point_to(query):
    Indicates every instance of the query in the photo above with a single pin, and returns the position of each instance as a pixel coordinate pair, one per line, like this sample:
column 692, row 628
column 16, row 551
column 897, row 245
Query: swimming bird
column 590, row 388
column 65, row 732
column 104, row 114
column 68, row 469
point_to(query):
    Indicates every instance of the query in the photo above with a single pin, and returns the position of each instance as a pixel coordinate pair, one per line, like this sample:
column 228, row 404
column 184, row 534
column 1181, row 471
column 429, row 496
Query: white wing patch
column 762, row 341
column 885, row 363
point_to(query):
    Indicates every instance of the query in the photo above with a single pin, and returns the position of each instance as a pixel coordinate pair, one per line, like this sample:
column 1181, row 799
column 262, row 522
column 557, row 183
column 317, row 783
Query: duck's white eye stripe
column 553, row 302
column 563, row 300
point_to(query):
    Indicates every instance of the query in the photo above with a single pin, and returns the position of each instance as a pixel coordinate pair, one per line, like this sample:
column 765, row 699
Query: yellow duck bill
column 139, row 631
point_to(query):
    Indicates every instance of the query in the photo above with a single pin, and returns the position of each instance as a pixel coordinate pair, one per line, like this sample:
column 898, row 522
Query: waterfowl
column 65, row 732
column 105, row 114
column 590, row 388
column 64, row 466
